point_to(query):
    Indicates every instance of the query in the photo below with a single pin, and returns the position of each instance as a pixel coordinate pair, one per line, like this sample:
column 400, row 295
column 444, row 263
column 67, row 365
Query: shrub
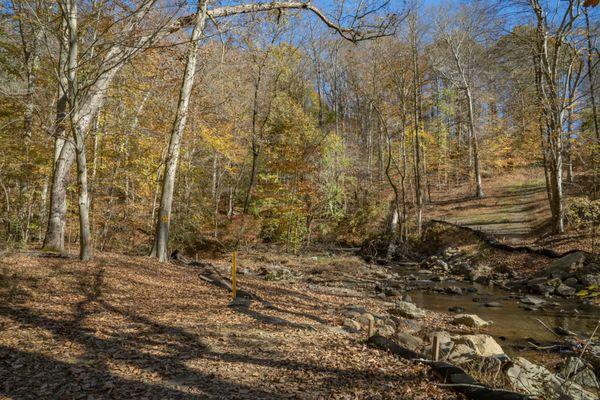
column 582, row 212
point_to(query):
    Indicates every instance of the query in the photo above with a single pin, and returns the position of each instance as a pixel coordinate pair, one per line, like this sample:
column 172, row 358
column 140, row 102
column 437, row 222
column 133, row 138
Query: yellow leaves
column 222, row 139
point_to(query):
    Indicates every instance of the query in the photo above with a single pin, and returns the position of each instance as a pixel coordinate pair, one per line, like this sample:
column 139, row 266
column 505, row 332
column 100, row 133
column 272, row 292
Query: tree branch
column 386, row 28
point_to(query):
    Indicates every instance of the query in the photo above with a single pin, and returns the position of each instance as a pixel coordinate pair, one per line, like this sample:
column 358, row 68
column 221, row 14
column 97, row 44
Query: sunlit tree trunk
column 161, row 240
column 69, row 9
column 63, row 158
column 416, row 122
column 551, row 96
column 475, row 145
column 590, row 73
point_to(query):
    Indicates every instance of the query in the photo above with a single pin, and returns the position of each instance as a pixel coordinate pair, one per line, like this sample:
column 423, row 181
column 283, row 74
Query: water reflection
column 511, row 321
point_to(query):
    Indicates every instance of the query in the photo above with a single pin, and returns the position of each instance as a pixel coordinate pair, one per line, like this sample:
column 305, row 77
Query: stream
column 512, row 323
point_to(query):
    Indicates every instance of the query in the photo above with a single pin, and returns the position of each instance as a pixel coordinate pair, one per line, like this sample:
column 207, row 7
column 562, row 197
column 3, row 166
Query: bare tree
column 458, row 62
column 554, row 63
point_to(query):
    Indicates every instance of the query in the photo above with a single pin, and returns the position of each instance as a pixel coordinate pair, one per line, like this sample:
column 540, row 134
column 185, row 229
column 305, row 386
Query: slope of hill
column 515, row 210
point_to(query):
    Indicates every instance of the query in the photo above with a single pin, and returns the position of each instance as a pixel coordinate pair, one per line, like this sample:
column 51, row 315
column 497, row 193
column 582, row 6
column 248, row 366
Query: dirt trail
column 510, row 211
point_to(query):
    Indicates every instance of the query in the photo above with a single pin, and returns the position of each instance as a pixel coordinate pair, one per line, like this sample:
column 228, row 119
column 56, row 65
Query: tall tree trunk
column 590, row 72
column 569, row 147
column 475, row 146
column 31, row 65
column 63, row 158
column 255, row 140
column 556, row 170
column 43, row 209
column 161, row 241
column 458, row 138
column 85, row 240
column 552, row 104
column 417, row 141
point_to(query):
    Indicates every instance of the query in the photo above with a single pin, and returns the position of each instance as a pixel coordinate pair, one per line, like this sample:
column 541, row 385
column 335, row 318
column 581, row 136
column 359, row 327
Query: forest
column 299, row 199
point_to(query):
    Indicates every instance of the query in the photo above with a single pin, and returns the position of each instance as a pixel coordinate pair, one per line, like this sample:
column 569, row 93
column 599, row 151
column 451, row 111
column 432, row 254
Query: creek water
column 511, row 323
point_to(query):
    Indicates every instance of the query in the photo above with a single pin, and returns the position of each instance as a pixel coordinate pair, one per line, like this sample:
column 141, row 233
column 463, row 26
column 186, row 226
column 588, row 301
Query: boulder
column 453, row 290
column 444, row 338
column 409, row 341
column 456, row 309
column 352, row 325
column 538, row 381
column 468, row 348
column 407, row 310
column 542, row 289
column 564, row 290
column 470, row 320
column 565, row 266
column 575, row 370
column 386, row 330
column 572, row 281
column 532, row 300
column 481, row 345
column 460, row 354
column 537, row 281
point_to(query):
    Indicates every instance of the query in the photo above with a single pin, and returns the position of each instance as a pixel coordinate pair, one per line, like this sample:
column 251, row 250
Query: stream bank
column 532, row 302
column 409, row 304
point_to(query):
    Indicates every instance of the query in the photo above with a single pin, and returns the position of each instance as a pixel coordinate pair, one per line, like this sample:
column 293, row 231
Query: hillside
column 515, row 211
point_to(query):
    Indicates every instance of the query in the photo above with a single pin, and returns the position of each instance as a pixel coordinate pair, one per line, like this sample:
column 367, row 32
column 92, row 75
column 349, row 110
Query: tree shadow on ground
column 527, row 205
column 120, row 364
column 26, row 375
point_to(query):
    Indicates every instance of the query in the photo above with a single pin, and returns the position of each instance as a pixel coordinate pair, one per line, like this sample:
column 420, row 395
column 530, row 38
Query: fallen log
column 451, row 375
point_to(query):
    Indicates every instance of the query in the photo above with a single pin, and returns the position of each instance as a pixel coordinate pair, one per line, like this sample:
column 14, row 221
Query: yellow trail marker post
column 233, row 274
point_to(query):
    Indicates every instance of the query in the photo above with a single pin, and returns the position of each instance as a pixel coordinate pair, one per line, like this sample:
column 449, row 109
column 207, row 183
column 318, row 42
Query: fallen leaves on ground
column 129, row 327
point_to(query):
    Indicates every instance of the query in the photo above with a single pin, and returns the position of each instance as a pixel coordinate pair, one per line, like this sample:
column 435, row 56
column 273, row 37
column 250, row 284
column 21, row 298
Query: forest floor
column 515, row 210
column 129, row 327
